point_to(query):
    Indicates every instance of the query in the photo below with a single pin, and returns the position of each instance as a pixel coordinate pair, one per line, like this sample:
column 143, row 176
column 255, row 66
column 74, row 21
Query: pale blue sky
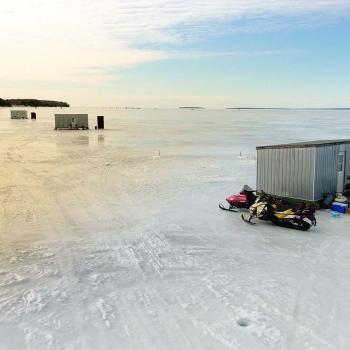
column 277, row 53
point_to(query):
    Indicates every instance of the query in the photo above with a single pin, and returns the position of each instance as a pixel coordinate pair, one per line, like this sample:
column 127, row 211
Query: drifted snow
column 106, row 245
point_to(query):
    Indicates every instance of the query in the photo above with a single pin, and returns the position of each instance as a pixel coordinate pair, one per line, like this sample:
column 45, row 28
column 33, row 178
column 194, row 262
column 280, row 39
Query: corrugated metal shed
column 71, row 121
column 307, row 144
column 305, row 170
column 19, row 114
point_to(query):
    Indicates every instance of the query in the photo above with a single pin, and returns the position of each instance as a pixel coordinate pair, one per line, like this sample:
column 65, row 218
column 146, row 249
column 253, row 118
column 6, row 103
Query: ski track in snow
column 104, row 246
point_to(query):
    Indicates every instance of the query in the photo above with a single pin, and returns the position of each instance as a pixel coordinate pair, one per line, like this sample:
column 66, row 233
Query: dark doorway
column 100, row 122
column 33, row 115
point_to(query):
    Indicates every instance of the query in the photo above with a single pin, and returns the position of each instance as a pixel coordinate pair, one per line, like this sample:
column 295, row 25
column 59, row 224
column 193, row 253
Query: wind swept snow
column 104, row 244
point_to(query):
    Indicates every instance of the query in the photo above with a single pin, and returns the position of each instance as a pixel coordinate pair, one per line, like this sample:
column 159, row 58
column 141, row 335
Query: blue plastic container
column 339, row 207
column 335, row 214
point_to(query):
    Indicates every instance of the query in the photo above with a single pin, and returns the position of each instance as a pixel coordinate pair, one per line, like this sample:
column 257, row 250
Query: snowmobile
column 299, row 217
column 244, row 199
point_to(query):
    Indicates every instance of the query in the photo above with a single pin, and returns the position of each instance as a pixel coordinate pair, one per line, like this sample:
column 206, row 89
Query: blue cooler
column 339, row 207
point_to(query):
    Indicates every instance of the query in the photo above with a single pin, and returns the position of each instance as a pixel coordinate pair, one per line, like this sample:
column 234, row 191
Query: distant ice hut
column 17, row 114
column 304, row 171
column 71, row 121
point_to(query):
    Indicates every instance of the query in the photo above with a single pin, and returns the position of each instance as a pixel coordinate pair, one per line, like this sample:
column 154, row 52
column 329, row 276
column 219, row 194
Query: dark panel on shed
column 347, row 159
column 326, row 168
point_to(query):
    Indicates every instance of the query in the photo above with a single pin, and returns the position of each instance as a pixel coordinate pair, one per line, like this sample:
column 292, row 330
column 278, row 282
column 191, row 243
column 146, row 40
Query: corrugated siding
column 326, row 168
column 83, row 120
column 287, row 172
column 19, row 114
column 63, row 121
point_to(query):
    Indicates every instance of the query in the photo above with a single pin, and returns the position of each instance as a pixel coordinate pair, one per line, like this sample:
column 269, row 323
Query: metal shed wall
column 287, row 172
column 63, row 121
column 326, row 176
column 19, row 114
column 347, row 159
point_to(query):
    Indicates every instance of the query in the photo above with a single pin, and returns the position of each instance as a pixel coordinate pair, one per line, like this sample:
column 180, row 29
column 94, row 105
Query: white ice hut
column 71, row 121
column 17, row 114
column 304, row 171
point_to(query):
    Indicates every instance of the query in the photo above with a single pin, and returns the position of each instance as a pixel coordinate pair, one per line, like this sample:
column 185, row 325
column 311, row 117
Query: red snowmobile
column 244, row 199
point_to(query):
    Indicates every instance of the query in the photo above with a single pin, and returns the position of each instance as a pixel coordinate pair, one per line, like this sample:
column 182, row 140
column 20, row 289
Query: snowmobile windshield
column 246, row 188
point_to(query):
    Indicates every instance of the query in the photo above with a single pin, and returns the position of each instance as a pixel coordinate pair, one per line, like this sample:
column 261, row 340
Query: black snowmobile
column 299, row 217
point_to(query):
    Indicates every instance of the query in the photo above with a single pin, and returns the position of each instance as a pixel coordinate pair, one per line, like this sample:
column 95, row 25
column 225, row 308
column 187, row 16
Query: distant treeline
column 29, row 102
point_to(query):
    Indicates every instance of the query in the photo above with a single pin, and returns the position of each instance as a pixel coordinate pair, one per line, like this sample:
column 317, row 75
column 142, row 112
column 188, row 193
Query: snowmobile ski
column 232, row 209
column 246, row 220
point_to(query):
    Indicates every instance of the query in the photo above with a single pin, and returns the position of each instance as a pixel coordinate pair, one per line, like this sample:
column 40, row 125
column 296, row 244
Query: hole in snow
column 243, row 322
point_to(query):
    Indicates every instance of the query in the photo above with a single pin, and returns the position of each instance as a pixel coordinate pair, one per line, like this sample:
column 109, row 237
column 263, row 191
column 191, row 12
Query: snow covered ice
column 106, row 245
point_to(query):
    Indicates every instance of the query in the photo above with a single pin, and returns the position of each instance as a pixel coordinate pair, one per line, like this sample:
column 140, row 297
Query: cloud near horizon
column 77, row 40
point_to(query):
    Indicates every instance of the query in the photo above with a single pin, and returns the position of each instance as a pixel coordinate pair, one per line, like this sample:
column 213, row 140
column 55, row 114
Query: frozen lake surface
column 106, row 245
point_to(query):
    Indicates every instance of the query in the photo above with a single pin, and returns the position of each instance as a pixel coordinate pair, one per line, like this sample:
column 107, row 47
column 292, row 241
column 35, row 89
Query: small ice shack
column 17, row 114
column 303, row 171
column 71, row 121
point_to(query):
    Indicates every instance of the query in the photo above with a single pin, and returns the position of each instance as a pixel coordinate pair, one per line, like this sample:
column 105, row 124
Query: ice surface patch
column 105, row 311
column 12, row 278
column 32, row 301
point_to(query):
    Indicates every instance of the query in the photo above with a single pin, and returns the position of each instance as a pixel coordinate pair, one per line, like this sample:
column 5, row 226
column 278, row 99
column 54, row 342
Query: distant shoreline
column 30, row 102
column 191, row 107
